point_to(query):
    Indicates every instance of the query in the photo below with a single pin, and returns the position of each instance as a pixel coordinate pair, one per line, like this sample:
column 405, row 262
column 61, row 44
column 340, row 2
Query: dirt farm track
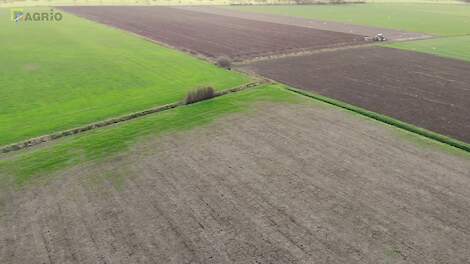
column 424, row 90
column 290, row 184
column 215, row 35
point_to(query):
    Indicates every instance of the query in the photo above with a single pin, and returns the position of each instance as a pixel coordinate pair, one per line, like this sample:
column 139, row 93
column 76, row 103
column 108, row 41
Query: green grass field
column 437, row 19
column 453, row 47
column 59, row 75
column 101, row 143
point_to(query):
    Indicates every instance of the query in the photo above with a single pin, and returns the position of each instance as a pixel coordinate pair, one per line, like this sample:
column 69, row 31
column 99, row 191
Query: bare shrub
column 199, row 94
column 224, row 62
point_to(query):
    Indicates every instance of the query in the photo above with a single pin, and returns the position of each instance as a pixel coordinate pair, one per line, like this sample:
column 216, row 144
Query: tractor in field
column 380, row 37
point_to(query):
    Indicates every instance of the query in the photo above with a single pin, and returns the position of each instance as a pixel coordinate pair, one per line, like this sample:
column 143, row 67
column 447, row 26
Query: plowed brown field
column 424, row 90
column 214, row 35
column 289, row 184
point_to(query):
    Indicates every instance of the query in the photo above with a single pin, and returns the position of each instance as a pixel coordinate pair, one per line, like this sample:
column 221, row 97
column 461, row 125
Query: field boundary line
column 116, row 120
column 301, row 53
column 386, row 119
column 312, row 51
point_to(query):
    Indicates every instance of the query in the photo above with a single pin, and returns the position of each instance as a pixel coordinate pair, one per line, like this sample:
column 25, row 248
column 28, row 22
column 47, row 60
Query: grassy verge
column 101, row 143
column 451, row 47
column 60, row 75
column 437, row 19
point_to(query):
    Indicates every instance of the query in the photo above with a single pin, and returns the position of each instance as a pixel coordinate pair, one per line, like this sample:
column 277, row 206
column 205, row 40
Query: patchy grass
column 101, row 143
column 451, row 47
column 437, row 19
column 60, row 75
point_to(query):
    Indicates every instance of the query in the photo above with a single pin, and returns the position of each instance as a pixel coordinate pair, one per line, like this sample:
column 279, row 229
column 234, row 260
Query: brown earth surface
column 214, row 35
column 393, row 35
column 286, row 184
column 424, row 90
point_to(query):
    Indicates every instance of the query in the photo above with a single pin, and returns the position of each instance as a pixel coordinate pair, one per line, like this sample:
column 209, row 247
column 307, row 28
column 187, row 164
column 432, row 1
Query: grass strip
column 386, row 119
column 435, row 19
column 448, row 47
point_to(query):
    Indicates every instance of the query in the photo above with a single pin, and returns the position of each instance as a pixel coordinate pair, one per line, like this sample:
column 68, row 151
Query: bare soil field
column 297, row 183
column 214, row 35
column 424, row 90
column 393, row 35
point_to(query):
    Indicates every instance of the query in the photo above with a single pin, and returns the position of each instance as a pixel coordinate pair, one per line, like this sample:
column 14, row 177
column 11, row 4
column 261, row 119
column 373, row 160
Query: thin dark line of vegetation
column 388, row 120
